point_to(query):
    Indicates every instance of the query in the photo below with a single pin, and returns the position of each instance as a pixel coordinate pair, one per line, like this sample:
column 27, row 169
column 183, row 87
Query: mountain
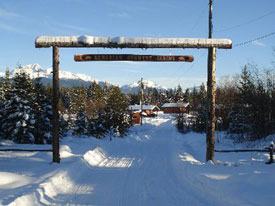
column 2, row 75
column 69, row 79
column 66, row 78
column 134, row 88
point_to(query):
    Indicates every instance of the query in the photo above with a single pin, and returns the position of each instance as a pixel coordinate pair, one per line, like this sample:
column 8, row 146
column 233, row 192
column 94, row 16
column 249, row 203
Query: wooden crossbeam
column 126, row 42
column 131, row 57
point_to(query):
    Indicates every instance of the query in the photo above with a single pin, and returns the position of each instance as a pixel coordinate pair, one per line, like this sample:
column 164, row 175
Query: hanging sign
column 132, row 57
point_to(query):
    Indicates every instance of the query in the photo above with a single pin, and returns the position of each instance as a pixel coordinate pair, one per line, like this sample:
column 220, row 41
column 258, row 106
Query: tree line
column 245, row 105
column 26, row 111
column 157, row 97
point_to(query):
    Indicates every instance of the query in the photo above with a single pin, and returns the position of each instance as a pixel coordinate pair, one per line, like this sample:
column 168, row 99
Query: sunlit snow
column 153, row 165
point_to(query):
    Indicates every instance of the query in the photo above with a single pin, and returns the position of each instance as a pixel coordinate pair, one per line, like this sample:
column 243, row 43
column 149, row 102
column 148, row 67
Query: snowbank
column 65, row 151
column 29, row 200
column 11, row 180
column 99, row 158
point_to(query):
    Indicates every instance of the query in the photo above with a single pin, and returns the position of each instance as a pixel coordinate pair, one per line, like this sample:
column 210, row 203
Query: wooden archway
column 123, row 42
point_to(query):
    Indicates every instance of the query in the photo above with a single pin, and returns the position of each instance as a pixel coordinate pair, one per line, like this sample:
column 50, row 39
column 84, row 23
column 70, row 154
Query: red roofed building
column 180, row 107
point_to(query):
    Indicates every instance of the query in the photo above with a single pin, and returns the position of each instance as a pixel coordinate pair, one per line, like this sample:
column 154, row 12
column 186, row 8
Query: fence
column 25, row 150
column 269, row 149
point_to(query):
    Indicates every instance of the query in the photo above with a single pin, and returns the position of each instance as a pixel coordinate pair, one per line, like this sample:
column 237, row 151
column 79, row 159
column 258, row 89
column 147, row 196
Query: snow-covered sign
column 130, row 42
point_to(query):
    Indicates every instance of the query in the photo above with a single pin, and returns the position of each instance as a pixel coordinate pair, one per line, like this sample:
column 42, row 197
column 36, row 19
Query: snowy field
column 153, row 165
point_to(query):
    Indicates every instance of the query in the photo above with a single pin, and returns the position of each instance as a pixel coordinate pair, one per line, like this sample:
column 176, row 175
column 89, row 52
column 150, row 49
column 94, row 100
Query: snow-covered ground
column 153, row 165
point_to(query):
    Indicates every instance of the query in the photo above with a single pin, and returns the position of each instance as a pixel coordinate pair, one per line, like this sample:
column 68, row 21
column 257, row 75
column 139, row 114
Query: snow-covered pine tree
column 67, row 115
column 133, row 98
column 5, row 87
column 95, row 111
column 17, row 121
column 179, row 94
column 240, row 126
column 118, row 121
column 97, row 126
column 2, row 94
column 155, row 100
column 42, row 111
column 63, row 123
column 95, row 92
column 186, row 95
column 182, row 123
column 170, row 95
column 81, row 122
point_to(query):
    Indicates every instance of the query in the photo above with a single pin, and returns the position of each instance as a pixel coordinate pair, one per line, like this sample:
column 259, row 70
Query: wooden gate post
column 55, row 120
column 211, row 93
column 141, row 99
column 271, row 149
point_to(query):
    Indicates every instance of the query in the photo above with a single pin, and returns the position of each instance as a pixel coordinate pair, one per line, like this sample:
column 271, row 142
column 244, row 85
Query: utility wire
column 245, row 23
column 198, row 20
column 253, row 40
column 187, row 69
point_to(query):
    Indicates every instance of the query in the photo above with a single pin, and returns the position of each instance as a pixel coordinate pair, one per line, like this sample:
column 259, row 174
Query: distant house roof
column 136, row 111
column 175, row 105
column 144, row 107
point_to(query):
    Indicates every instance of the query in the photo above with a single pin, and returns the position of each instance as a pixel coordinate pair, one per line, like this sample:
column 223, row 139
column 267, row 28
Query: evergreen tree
column 170, row 96
column 95, row 109
column 133, row 99
column 182, row 123
column 240, row 116
column 81, row 122
column 200, row 122
column 97, row 127
column 155, row 97
column 42, row 110
column 179, row 94
column 5, row 87
column 186, row 95
column 63, row 123
column 118, row 121
column 17, row 120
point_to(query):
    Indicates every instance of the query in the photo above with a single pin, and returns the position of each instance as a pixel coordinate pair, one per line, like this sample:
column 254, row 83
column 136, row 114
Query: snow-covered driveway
column 153, row 179
column 153, row 165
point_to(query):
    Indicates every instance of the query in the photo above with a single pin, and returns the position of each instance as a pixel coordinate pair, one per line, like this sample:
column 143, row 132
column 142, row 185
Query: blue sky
column 240, row 20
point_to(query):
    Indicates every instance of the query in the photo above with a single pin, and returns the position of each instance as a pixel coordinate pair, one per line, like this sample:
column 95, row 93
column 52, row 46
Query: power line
column 245, row 23
column 253, row 40
column 198, row 20
column 187, row 69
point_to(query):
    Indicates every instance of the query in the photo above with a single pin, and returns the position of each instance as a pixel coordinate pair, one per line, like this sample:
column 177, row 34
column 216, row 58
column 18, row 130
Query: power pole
column 210, row 127
column 141, row 99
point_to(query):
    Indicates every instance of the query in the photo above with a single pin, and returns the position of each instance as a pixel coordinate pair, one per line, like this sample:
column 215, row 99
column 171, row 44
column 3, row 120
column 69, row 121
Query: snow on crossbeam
column 130, row 42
